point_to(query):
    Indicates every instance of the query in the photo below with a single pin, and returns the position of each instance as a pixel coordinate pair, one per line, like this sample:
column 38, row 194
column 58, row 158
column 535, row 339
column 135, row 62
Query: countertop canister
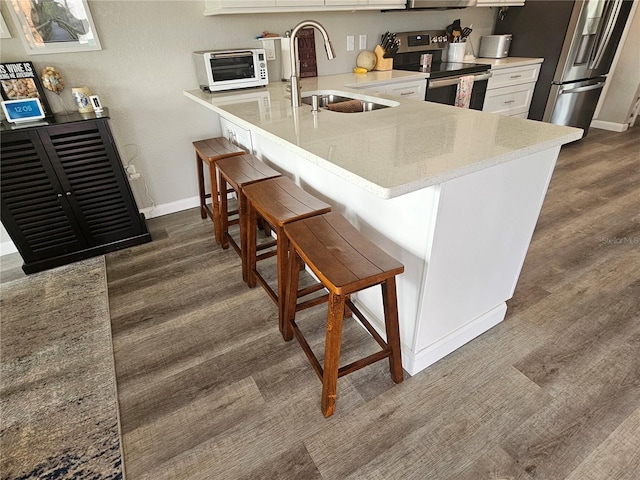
column 81, row 97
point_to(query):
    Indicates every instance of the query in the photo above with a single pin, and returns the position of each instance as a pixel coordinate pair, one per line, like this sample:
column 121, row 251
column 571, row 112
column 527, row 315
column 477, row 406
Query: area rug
column 58, row 402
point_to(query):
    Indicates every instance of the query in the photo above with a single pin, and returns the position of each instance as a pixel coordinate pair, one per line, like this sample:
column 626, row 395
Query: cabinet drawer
column 513, row 76
column 408, row 90
column 509, row 100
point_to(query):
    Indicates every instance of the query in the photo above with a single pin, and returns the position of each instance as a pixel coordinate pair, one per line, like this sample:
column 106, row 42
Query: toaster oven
column 231, row 69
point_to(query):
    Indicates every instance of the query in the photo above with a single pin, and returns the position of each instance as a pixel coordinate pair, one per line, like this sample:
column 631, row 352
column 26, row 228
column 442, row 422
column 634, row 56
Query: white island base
column 451, row 193
column 463, row 244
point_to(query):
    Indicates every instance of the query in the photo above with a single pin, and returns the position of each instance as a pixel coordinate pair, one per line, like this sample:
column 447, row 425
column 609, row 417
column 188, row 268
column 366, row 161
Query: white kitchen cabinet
column 248, row 4
column 500, row 3
column 408, row 89
column 509, row 90
column 346, row 2
column 222, row 7
column 414, row 89
column 366, row 3
column 299, row 3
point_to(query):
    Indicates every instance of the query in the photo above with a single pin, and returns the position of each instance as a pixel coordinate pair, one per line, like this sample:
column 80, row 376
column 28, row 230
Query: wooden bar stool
column 345, row 262
column 237, row 173
column 278, row 201
column 209, row 151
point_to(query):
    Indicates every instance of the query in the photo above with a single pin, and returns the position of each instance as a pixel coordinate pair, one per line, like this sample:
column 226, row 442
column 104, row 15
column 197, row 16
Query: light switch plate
column 351, row 43
column 363, row 42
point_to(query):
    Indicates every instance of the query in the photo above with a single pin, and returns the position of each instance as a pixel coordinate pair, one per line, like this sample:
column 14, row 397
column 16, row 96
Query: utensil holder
column 382, row 63
column 456, row 51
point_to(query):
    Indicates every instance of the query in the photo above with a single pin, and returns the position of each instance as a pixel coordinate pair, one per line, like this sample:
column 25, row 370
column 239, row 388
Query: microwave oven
column 231, row 69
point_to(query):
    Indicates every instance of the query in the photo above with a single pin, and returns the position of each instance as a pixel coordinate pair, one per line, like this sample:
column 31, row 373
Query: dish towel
column 463, row 94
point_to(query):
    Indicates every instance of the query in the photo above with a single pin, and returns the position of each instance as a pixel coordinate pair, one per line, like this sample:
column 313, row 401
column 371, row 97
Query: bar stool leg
column 252, row 220
column 332, row 354
column 390, row 303
column 200, row 169
column 242, row 212
column 282, row 250
column 215, row 203
column 293, row 279
column 224, row 217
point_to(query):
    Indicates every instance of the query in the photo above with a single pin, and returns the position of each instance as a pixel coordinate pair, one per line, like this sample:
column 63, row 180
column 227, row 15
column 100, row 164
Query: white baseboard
column 611, row 126
column 414, row 362
column 172, row 207
column 7, row 247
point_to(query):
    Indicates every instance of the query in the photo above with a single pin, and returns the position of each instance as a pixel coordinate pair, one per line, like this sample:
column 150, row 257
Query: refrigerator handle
column 611, row 20
column 595, row 86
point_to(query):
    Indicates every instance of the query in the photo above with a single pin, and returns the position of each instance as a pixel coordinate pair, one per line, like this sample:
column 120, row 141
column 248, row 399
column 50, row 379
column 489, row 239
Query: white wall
column 145, row 64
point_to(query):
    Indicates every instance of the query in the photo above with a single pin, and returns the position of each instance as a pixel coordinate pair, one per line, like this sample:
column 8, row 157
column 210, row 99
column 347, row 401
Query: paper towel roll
column 285, row 48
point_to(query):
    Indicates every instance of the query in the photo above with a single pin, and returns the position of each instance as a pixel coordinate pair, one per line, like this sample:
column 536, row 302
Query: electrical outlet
column 363, row 42
column 131, row 171
column 270, row 48
column 351, row 43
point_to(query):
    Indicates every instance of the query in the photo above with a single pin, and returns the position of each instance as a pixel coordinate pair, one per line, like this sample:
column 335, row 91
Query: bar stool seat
column 278, row 201
column 346, row 262
column 209, row 151
column 239, row 172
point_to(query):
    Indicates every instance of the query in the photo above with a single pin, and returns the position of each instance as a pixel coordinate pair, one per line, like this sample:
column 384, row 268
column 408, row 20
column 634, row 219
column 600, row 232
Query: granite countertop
column 392, row 151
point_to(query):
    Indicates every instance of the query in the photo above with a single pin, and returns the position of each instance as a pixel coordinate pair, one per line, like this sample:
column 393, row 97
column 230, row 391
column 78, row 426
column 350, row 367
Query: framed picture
column 20, row 80
column 54, row 26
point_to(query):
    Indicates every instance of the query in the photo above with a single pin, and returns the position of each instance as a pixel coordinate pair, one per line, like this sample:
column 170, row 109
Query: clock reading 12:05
column 24, row 110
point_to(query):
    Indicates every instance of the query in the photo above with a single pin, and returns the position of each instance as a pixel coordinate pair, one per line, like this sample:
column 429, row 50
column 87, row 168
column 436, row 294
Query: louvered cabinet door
column 91, row 173
column 35, row 212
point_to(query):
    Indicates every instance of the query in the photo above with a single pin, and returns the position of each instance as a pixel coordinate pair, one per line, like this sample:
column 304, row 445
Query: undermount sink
column 346, row 103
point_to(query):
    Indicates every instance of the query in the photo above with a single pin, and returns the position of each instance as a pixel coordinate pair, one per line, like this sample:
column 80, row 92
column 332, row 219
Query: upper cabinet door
column 247, row 3
column 346, row 2
column 500, row 3
column 220, row 7
column 299, row 3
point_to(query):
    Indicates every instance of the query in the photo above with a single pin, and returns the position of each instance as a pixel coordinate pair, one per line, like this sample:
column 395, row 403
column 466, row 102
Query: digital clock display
column 24, row 110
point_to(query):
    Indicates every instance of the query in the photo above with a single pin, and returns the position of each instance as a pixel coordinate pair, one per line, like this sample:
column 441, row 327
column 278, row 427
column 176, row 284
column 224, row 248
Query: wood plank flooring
column 209, row 390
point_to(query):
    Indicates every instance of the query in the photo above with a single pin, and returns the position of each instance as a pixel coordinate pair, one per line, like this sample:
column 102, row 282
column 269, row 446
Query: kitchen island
column 453, row 194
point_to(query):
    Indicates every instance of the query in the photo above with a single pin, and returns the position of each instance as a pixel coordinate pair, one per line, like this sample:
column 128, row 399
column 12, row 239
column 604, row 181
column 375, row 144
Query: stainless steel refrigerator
column 578, row 40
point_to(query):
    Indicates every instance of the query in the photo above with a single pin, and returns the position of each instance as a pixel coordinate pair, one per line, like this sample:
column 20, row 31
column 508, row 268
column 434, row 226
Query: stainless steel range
column 442, row 76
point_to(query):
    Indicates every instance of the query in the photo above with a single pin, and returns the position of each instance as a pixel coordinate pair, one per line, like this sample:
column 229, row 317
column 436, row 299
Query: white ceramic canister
column 81, row 97
column 456, row 52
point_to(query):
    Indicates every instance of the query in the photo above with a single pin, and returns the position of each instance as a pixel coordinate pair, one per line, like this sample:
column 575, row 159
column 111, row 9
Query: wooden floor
column 208, row 389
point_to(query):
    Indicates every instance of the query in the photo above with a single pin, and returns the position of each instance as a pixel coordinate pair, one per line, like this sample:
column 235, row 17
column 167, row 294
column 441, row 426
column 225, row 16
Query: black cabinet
column 65, row 195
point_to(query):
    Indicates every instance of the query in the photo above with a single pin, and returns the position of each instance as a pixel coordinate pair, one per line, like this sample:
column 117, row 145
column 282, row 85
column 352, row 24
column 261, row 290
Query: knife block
column 382, row 63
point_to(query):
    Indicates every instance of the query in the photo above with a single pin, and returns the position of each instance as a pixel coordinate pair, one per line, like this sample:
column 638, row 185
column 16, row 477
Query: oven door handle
column 447, row 82
column 232, row 54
